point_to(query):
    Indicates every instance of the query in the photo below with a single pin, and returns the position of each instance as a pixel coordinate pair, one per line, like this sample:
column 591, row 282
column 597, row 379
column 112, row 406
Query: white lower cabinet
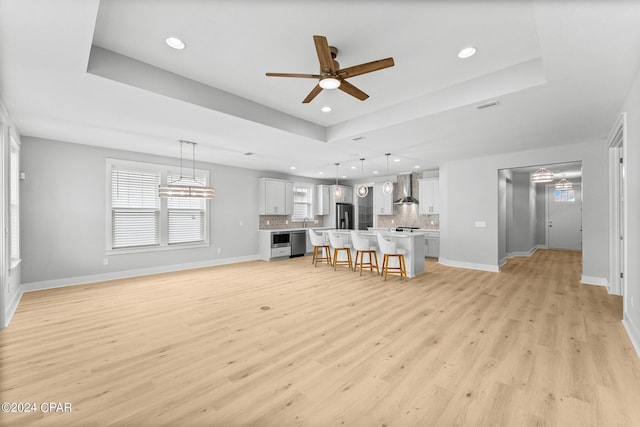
column 432, row 245
column 280, row 252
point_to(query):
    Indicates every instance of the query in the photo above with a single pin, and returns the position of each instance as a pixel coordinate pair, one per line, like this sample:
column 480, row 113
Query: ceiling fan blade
column 305, row 76
column 347, row 87
column 324, row 54
column 314, row 92
column 356, row 70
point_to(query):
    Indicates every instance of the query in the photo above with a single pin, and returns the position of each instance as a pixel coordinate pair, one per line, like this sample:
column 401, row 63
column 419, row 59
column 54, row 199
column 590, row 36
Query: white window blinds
column 135, row 207
column 186, row 216
column 302, row 202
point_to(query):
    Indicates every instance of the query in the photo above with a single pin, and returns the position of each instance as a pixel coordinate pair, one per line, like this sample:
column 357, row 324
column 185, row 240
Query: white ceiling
column 100, row 73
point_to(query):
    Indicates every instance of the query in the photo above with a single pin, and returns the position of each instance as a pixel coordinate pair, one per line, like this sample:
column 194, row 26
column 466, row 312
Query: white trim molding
column 469, row 265
column 95, row 278
column 593, row 280
column 12, row 308
column 633, row 332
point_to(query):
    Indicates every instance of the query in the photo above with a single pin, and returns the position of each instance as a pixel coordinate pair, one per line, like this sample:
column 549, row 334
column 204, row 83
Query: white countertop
column 278, row 230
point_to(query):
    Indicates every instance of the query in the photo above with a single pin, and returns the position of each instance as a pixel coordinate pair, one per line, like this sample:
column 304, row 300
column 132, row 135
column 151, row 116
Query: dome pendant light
column 362, row 189
column 387, row 187
column 338, row 192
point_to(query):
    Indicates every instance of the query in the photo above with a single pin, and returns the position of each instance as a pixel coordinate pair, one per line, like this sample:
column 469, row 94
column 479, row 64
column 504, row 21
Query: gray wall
column 523, row 206
column 541, row 214
column 632, row 161
column 64, row 214
column 471, row 194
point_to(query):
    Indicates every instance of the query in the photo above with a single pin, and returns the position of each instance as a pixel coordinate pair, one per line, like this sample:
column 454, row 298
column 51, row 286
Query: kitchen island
column 412, row 242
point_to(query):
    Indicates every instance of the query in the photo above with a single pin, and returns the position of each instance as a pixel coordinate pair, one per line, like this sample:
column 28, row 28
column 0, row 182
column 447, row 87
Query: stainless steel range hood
column 405, row 190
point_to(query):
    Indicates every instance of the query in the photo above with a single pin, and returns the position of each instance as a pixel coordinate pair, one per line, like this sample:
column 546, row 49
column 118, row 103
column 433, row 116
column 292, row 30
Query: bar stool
column 339, row 245
column 389, row 249
column 320, row 247
column 362, row 247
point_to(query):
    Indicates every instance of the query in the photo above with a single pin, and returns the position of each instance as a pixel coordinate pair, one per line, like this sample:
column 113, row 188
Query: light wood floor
column 529, row 346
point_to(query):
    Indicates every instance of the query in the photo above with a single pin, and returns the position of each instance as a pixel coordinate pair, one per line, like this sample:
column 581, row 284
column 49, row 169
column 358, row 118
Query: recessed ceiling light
column 344, row 176
column 292, row 168
column 326, row 109
column 467, row 52
column 416, row 167
column 175, row 43
column 320, row 173
column 396, row 160
column 374, row 172
column 353, row 167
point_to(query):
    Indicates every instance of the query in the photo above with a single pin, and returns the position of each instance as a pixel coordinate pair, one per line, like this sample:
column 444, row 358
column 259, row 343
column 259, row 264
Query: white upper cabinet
column 275, row 197
column 322, row 200
column 429, row 194
column 382, row 203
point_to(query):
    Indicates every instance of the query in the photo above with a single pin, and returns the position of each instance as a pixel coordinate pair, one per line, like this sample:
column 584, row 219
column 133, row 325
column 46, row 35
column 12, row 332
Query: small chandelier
column 563, row 184
column 187, row 187
column 338, row 192
column 542, row 175
column 387, row 187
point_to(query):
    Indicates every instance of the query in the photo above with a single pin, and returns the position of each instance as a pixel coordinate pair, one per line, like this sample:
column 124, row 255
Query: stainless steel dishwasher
column 298, row 243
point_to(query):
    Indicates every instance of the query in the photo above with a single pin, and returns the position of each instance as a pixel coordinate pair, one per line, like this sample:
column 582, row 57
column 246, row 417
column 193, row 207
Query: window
column 302, row 202
column 186, row 217
column 140, row 220
column 564, row 196
column 14, row 204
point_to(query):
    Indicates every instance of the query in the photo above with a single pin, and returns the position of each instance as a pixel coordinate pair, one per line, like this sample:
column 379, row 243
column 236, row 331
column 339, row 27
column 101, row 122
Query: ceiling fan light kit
column 331, row 76
column 329, row 83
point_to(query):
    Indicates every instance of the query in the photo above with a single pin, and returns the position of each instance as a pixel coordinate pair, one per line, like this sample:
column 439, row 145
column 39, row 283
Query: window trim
column 312, row 188
column 14, row 176
column 163, row 244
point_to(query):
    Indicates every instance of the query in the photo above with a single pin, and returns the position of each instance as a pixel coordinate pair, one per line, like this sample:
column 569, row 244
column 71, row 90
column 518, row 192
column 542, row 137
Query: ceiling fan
column 331, row 76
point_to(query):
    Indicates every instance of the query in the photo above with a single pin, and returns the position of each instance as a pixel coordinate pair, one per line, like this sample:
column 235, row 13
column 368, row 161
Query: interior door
column 565, row 218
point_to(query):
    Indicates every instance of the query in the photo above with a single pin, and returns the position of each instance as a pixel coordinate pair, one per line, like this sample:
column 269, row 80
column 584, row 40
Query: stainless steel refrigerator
column 344, row 216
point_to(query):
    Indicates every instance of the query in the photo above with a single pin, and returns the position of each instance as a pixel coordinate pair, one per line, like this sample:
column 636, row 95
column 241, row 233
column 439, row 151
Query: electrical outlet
column 219, row 250
column 286, row 221
column 268, row 222
column 105, row 261
column 240, row 223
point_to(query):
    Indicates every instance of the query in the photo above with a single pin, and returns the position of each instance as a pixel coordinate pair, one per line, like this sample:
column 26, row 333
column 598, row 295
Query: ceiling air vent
column 487, row 104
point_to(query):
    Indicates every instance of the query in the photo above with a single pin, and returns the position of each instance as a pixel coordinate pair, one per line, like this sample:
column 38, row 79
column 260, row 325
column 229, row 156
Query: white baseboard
column 93, row 278
column 502, row 262
column 469, row 265
column 522, row 253
column 542, row 247
column 11, row 310
column 592, row 280
column 633, row 332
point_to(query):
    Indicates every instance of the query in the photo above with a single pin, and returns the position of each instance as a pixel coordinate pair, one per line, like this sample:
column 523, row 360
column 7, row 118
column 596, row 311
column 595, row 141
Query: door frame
column 617, row 231
column 548, row 192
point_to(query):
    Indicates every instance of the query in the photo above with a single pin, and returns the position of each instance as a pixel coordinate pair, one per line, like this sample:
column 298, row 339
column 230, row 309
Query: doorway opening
column 535, row 216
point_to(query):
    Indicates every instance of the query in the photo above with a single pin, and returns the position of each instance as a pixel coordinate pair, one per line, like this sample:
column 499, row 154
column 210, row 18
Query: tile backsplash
column 408, row 216
column 279, row 222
